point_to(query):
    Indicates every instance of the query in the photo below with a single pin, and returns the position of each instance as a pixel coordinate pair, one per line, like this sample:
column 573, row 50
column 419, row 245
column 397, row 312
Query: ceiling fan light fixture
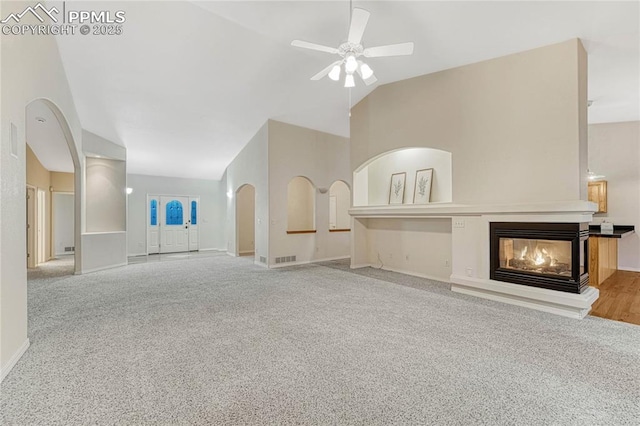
column 349, row 81
column 352, row 49
column 334, row 74
column 365, row 71
column 351, row 63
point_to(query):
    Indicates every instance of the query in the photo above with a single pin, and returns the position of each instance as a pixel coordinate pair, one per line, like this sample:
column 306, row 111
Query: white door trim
column 158, row 196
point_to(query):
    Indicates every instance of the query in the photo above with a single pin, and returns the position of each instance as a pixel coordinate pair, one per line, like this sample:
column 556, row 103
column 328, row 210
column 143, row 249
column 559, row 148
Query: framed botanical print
column 422, row 188
column 396, row 189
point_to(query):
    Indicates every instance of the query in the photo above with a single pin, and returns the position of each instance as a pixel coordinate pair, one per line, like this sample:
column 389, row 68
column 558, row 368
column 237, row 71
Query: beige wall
column 514, row 125
column 322, row 158
column 62, row 182
column 37, row 175
column 43, row 179
column 106, row 197
column 300, row 205
column 251, row 166
column 413, row 246
column 614, row 151
column 23, row 60
column 246, row 213
column 40, row 177
column 276, row 154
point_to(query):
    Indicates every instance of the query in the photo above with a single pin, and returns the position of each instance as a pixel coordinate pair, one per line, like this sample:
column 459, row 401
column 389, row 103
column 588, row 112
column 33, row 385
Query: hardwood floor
column 619, row 298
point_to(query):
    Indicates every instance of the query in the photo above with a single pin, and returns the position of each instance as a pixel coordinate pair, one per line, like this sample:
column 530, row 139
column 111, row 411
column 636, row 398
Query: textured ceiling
column 188, row 84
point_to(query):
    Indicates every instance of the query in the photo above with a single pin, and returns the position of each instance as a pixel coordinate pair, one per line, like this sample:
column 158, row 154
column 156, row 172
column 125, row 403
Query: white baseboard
column 416, row 274
column 329, row 259
column 569, row 305
column 402, row 271
column 137, row 254
column 247, row 252
column 628, row 268
column 14, row 360
column 211, row 249
column 63, row 254
column 102, row 268
column 307, row 262
column 231, row 254
column 285, row 265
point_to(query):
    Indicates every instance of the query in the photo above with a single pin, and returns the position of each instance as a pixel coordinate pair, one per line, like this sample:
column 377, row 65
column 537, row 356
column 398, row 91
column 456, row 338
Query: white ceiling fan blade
column 325, row 71
column 359, row 19
column 313, row 46
column 390, row 50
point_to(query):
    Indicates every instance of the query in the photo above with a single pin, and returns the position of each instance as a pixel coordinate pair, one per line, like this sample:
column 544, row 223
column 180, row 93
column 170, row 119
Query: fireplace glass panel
column 583, row 250
column 548, row 257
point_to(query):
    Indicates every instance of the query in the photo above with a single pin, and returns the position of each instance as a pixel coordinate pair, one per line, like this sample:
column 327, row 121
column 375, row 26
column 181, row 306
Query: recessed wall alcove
column 301, row 206
column 371, row 181
column 339, row 202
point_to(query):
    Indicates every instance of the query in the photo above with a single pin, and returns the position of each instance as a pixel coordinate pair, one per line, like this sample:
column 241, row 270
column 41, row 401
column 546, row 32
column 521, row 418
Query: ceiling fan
column 352, row 49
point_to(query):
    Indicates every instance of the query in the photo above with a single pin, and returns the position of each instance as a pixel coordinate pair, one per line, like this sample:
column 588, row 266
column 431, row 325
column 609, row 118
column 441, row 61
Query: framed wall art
column 422, row 188
column 396, row 189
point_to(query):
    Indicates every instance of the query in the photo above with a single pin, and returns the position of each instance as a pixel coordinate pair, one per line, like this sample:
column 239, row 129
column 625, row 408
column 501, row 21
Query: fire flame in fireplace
column 539, row 257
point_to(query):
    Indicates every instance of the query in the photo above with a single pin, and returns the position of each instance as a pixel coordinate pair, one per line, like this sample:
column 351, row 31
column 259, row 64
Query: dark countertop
column 619, row 231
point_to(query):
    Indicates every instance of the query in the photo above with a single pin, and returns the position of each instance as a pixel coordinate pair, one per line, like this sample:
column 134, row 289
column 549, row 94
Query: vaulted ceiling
column 188, row 84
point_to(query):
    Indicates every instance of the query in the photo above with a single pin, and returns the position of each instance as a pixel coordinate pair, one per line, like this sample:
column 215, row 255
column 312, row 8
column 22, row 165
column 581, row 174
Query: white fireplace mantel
column 449, row 209
column 470, row 255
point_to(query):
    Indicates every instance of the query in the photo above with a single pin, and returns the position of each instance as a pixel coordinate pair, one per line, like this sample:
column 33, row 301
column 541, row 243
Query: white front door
column 194, row 220
column 174, row 217
column 153, row 224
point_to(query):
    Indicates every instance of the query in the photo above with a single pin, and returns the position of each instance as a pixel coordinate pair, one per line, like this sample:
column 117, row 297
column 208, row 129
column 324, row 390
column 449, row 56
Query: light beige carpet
column 216, row 340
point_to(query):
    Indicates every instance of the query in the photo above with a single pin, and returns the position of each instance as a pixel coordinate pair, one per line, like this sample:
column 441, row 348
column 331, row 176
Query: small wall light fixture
column 593, row 176
column 129, row 191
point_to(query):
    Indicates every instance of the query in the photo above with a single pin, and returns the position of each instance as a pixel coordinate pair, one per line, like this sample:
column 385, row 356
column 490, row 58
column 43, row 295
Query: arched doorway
column 246, row 220
column 54, row 181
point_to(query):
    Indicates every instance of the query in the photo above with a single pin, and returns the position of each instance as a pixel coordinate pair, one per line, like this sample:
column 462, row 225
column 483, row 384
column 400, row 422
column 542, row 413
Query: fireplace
column 546, row 255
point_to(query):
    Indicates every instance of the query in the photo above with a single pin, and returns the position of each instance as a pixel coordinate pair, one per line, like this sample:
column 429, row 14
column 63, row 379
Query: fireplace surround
column 538, row 254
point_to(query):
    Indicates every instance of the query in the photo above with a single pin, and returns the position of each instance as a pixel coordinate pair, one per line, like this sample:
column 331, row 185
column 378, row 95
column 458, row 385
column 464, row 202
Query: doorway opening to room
column 173, row 223
column 52, row 164
column 246, row 221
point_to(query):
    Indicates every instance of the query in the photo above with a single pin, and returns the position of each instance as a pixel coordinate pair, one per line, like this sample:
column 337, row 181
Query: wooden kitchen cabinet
column 598, row 194
column 603, row 259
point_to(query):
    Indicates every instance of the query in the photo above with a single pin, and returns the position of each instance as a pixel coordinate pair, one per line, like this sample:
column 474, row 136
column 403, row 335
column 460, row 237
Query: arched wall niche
column 339, row 203
column 62, row 122
column 371, row 181
column 301, row 205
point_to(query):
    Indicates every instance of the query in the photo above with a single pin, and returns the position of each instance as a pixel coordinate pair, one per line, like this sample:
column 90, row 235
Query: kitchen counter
column 603, row 251
column 619, row 231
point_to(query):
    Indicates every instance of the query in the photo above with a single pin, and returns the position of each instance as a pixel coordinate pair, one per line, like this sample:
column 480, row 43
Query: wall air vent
column 66, row 249
column 285, row 259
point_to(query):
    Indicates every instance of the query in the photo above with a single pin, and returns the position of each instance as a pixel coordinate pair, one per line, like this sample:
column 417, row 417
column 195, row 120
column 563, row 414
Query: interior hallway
column 217, row 340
